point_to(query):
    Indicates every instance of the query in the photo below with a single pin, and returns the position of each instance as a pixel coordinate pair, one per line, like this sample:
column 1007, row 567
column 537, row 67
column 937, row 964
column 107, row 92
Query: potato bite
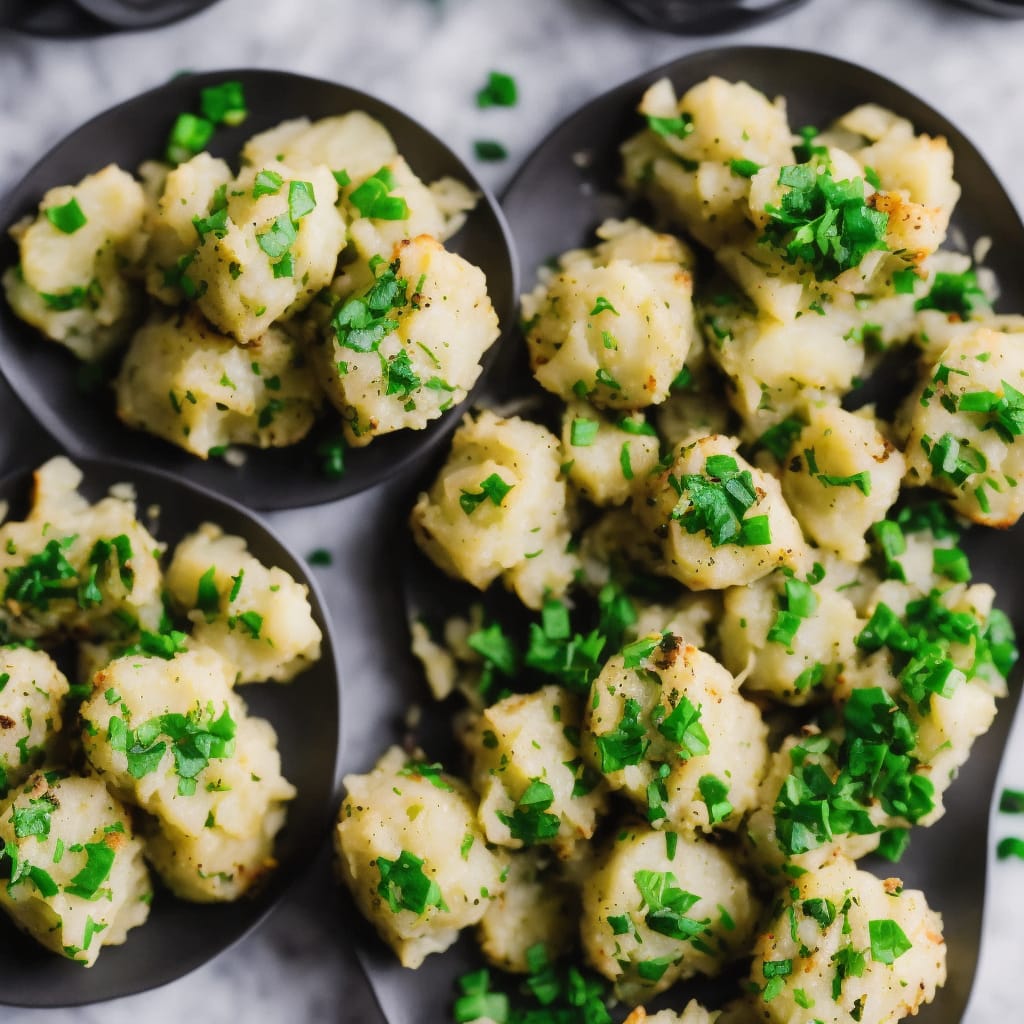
column 77, row 879
column 257, row 617
column 172, row 737
column 69, row 282
column 413, row 856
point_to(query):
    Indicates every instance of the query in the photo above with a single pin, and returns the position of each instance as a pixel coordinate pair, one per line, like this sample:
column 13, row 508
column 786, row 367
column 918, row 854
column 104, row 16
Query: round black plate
column 180, row 936
column 561, row 193
column 1001, row 8
column 72, row 20
column 45, row 376
column 702, row 17
column 138, row 14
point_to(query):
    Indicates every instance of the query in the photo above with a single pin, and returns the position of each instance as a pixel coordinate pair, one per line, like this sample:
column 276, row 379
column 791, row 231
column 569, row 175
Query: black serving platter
column 180, row 936
column 46, row 377
column 560, row 194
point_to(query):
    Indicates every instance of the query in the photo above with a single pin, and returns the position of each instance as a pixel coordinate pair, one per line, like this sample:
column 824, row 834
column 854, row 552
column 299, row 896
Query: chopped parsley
column 888, row 941
column 1011, row 801
column 362, row 322
column 671, row 127
column 405, row 886
column 431, row 772
column 372, row 198
column 194, row 740
column 602, row 305
column 953, row 458
column 67, row 218
column 713, row 791
column 779, row 439
column 500, row 91
column 667, row 906
column 1003, row 413
column 958, row 294
column 823, row 224
column 493, row 487
column 224, row 103
column 266, row 183
column 627, row 743
column 530, row 822
column 682, row 727
column 796, row 603
column 33, row 820
column 716, row 502
column 99, row 859
column 189, row 135
column 489, row 150
column 43, row 577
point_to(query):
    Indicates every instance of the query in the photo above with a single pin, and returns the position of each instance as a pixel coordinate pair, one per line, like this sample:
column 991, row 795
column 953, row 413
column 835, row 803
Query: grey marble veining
column 429, row 57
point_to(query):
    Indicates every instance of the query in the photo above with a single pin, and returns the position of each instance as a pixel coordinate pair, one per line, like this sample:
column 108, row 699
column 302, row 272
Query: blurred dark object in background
column 78, row 18
column 699, row 17
column 1002, row 8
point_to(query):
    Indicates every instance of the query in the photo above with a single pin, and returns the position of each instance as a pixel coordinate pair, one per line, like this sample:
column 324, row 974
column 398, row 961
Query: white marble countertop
column 429, row 57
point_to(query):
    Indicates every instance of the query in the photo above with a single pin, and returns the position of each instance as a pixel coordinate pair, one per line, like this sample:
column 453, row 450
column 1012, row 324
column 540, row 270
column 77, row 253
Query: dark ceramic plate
column 702, row 17
column 563, row 191
column 71, row 20
column 45, row 376
column 180, row 936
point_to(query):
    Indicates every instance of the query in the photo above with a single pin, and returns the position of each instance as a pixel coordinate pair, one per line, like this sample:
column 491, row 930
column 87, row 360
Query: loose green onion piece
column 1011, row 846
column 207, row 595
column 342, row 178
column 301, row 200
column 671, row 127
column 903, row 281
column 1012, row 801
column 889, row 537
column 639, row 428
column 489, row 150
column 602, row 305
column 952, row 563
column 484, row 1006
column 67, row 218
column 862, row 481
column 372, row 200
column 605, row 378
column 189, row 135
column 624, row 462
column 744, row 168
column 331, row 453
column 871, row 177
column 224, row 103
column 583, row 432
column 266, row 183
column 321, row 556
column 500, row 91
